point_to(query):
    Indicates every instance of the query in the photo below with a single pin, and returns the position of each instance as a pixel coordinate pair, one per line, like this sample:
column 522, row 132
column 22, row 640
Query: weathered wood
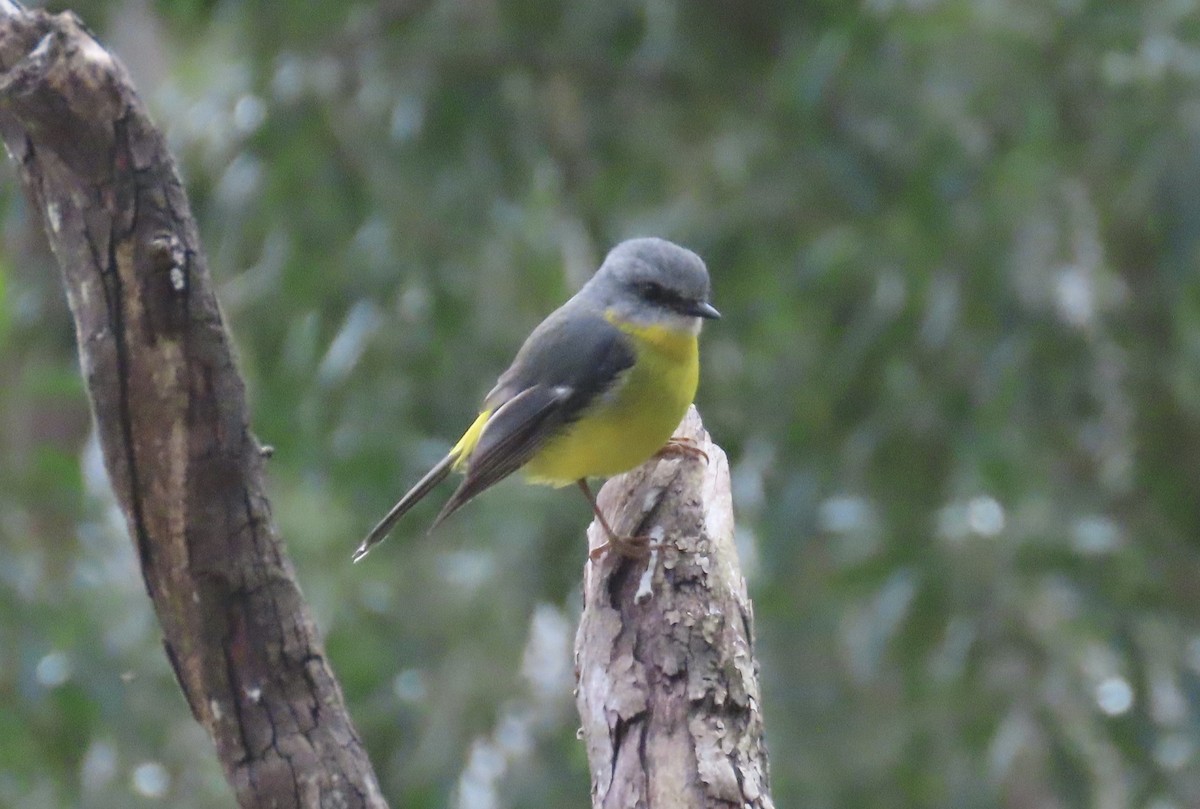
column 170, row 409
column 668, row 682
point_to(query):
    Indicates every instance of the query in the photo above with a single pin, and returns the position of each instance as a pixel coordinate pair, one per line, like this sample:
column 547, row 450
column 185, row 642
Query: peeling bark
column 170, row 410
column 668, row 683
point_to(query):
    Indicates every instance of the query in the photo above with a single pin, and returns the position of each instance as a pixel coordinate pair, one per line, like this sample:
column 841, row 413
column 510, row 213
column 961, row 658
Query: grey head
column 652, row 281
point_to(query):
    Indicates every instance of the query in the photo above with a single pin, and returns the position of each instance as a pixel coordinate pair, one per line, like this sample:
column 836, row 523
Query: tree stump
column 668, row 682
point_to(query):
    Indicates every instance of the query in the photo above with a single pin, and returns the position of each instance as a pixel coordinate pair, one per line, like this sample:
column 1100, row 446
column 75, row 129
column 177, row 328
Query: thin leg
column 633, row 547
column 587, row 492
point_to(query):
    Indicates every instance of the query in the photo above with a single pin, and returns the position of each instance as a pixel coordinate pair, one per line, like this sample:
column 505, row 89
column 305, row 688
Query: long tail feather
column 432, row 478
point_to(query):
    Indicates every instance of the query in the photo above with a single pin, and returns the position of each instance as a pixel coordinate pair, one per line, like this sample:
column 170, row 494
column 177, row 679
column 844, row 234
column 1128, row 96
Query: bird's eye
column 653, row 291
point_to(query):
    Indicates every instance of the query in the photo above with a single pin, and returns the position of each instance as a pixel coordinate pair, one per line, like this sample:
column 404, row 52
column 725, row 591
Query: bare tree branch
column 170, row 409
column 668, row 683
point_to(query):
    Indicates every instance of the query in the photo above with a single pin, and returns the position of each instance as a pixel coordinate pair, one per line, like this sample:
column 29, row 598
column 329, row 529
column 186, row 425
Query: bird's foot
column 681, row 445
column 637, row 548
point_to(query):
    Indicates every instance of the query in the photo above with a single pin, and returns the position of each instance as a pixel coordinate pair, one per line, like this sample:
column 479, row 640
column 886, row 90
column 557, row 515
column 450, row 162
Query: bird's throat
column 676, row 343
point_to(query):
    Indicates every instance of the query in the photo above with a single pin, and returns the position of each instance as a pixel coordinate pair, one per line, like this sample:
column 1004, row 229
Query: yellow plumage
column 466, row 445
column 626, row 425
column 595, row 390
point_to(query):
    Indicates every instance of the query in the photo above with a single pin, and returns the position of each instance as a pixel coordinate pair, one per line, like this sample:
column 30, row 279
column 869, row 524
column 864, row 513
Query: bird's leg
column 631, row 547
column 682, row 445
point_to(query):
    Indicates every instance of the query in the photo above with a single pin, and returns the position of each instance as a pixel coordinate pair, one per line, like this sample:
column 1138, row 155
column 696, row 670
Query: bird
column 596, row 389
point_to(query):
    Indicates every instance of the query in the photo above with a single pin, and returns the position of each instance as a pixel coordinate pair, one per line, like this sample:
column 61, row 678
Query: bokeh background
column 958, row 379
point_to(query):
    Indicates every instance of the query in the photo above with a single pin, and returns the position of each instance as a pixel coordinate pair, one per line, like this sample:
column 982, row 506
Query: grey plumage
column 567, row 364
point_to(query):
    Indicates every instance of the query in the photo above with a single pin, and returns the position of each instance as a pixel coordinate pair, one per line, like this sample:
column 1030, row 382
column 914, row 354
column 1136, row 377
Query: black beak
column 704, row 309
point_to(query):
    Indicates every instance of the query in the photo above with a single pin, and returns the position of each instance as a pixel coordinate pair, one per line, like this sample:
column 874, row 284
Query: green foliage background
column 955, row 242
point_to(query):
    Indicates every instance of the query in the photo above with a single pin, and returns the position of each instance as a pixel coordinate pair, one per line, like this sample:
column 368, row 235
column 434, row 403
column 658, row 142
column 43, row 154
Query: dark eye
column 654, row 292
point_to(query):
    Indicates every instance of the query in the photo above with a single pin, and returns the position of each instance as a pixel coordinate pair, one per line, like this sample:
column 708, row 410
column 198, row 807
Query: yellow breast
column 634, row 420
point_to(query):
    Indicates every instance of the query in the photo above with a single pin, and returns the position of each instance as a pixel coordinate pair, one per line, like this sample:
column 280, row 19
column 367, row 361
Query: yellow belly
column 633, row 422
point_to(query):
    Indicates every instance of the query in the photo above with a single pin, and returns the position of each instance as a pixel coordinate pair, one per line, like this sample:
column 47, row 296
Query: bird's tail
column 432, row 478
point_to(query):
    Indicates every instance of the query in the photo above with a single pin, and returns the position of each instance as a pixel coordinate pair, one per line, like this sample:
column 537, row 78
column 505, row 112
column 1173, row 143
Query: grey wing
column 512, row 436
column 570, row 359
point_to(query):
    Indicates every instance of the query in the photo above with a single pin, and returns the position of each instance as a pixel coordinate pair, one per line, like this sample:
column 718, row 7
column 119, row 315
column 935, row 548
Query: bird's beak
column 705, row 310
